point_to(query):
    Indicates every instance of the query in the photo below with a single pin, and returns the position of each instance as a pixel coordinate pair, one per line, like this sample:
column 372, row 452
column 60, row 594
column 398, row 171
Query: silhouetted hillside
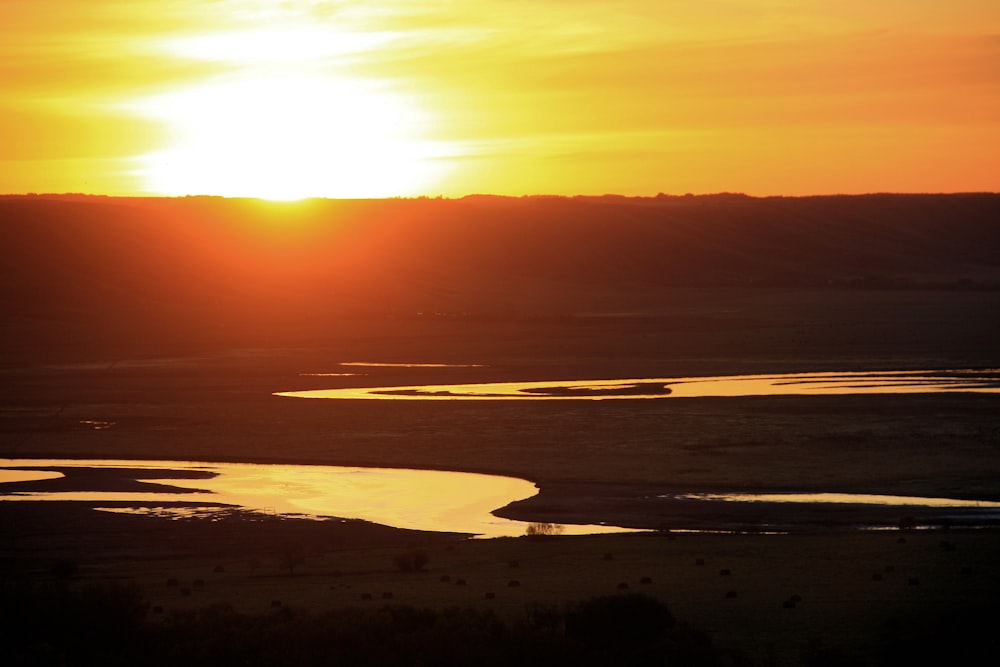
column 112, row 267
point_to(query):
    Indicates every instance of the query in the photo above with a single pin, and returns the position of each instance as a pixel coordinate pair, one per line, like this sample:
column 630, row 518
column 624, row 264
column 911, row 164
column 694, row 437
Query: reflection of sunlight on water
column 836, row 499
column 415, row 499
column 26, row 475
column 183, row 512
column 97, row 424
column 386, row 364
column 885, row 382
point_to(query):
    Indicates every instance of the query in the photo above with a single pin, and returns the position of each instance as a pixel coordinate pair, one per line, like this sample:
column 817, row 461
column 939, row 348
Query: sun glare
column 284, row 125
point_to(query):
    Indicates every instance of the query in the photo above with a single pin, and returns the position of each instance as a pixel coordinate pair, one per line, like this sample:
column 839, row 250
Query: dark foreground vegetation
column 112, row 625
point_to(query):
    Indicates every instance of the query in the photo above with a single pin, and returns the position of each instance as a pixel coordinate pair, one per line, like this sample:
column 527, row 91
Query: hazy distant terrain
column 95, row 271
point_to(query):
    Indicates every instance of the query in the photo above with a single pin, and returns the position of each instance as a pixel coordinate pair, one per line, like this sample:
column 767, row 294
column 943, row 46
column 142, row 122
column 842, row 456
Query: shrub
column 616, row 620
column 411, row 561
column 543, row 529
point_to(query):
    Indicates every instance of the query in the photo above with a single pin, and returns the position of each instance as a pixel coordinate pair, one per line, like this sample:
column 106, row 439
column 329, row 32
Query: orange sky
column 381, row 98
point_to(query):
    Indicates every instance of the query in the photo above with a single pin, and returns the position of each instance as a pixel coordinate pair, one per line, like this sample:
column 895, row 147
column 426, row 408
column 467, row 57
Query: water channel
column 414, row 499
column 440, row 500
column 802, row 384
column 432, row 500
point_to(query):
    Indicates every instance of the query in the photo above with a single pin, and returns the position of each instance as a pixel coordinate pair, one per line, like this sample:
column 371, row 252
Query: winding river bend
column 433, row 500
column 430, row 500
column 455, row 501
column 788, row 384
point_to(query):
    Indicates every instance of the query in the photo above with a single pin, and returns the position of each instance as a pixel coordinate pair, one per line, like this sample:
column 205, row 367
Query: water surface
column 840, row 499
column 433, row 500
column 804, row 384
column 430, row 500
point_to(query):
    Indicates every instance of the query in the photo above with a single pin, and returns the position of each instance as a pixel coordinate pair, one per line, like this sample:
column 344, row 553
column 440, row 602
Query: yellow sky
column 381, row 98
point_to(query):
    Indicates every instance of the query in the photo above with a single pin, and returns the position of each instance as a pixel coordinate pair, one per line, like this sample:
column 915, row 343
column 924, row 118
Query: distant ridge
column 96, row 262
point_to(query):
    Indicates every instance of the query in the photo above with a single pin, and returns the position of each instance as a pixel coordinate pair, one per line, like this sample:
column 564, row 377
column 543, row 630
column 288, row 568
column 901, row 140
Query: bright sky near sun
column 373, row 98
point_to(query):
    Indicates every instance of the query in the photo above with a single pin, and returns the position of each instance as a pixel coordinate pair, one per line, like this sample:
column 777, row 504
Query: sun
column 284, row 129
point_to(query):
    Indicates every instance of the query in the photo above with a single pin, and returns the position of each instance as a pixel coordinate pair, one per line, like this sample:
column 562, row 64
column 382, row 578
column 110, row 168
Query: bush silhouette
column 542, row 529
column 107, row 626
column 411, row 561
column 292, row 555
column 619, row 620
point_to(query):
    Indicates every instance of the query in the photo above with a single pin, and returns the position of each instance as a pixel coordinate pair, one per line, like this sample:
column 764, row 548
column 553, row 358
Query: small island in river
column 635, row 389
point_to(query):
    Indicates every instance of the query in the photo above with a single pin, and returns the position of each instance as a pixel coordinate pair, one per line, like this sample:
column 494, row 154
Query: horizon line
column 486, row 195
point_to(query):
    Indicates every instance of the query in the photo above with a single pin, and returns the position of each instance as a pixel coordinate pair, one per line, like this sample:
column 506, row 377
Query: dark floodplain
column 160, row 329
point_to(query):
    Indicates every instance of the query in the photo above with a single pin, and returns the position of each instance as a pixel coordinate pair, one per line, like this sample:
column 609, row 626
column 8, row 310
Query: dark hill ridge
column 98, row 262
